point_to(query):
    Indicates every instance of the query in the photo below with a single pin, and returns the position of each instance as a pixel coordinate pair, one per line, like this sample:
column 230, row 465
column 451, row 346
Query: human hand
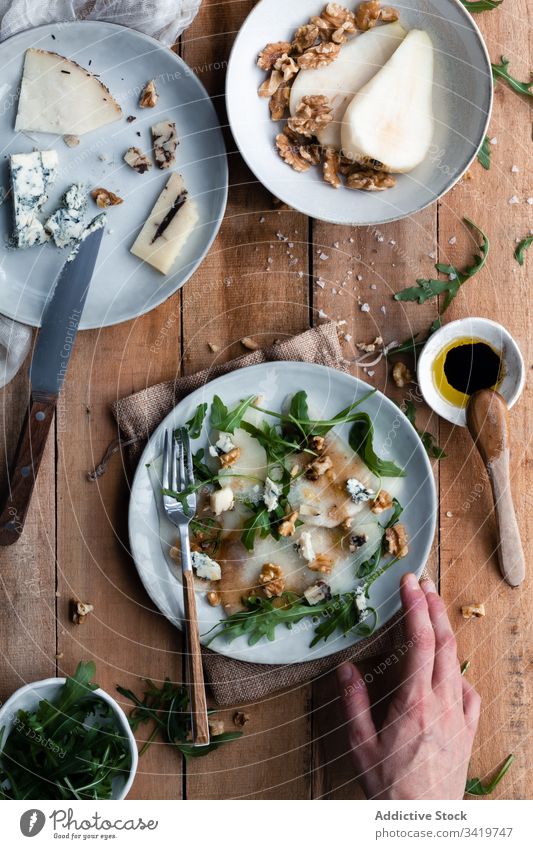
column 423, row 748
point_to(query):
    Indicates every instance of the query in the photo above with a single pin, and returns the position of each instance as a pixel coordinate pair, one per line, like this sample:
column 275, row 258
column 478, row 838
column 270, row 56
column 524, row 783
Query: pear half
column 355, row 65
column 390, row 119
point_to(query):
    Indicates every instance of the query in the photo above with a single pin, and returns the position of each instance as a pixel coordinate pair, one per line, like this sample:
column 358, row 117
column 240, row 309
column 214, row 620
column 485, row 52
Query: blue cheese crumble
column 205, row 567
column 32, row 175
column 67, row 223
column 360, row 603
column 358, row 491
column 271, row 494
column 223, row 445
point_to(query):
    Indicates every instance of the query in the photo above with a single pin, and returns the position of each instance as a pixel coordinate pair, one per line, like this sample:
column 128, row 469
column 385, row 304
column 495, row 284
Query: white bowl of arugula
column 65, row 738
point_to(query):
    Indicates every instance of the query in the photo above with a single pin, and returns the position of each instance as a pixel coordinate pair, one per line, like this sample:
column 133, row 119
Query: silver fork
column 178, row 475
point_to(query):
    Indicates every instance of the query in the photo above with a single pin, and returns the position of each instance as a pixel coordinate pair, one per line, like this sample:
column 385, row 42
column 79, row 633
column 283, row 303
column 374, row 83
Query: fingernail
column 410, row 581
column 428, row 586
column 344, row 673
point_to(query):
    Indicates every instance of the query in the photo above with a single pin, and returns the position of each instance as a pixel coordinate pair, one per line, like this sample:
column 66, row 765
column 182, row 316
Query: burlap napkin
column 233, row 681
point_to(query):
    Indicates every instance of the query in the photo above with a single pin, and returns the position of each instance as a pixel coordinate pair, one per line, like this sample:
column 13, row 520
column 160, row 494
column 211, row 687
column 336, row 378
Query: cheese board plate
column 124, row 60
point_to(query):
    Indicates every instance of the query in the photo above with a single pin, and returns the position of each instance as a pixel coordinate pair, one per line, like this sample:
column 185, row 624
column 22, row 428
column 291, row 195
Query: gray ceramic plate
column 462, row 101
column 328, row 391
column 122, row 287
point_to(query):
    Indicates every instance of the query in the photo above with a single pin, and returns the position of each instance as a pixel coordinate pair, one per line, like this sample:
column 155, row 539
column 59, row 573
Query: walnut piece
column 473, row 611
column 104, row 198
column 382, row 502
column 231, row 457
column 396, row 540
column 291, row 154
column 279, row 102
column 79, row 611
column 370, row 181
column 216, row 726
column 337, row 15
column 240, row 718
column 149, row 96
column 271, row 53
column 331, row 166
column 312, row 114
column 271, row 84
column 319, row 56
column 136, row 159
column 214, row 598
column 287, row 67
column 250, row 343
column 322, row 563
column 318, row 467
column 71, row 141
column 389, row 14
column 317, row 443
column 367, row 15
column 305, row 37
column 271, row 580
column 288, row 525
column 401, row 375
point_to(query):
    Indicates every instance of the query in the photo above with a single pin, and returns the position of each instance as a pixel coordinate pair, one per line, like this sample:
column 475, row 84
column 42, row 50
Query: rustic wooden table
column 75, row 542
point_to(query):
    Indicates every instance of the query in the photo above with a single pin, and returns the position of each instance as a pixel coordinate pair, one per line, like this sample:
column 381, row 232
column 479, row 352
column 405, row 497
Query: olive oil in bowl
column 465, row 365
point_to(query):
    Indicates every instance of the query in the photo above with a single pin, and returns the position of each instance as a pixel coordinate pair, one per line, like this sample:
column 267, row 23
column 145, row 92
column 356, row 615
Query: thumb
column 356, row 705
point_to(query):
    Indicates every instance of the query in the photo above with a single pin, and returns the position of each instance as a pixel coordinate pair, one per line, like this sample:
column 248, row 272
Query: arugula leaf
column 262, row 616
column 228, row 420
column 318, row 427
column 368, row 566
column 483, row 154
column 201, row 471
column 428, row 288
column 167, row 707
column 427, row 439
column 521, row 248
column 501, row 72
column 270, row 438
column 259, row 522
column 361, row 439
column 475, row 786
column 194, row 424
column 481, row 5
column 341, row 613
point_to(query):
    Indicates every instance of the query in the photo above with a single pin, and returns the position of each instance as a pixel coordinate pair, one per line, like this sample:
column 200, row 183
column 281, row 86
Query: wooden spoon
column 487, row 417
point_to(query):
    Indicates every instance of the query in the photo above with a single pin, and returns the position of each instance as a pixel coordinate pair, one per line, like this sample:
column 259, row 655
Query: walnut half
column 396, row 540
column 312, row 114
column 271, row 580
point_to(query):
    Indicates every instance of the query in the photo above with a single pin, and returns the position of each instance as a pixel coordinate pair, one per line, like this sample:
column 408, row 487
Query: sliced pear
column 390, row 119
column 358, row 61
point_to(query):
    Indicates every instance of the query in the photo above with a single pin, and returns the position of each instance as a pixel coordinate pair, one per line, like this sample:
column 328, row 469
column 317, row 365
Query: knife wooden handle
column 25, row 467
column 196, row 672
column 488, row 421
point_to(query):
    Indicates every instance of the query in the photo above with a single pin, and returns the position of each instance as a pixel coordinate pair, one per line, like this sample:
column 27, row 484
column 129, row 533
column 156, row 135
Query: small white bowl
column 29, row 696
column 476, row 328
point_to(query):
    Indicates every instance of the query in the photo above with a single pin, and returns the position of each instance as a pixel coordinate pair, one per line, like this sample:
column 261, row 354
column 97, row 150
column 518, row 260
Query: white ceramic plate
column 462, row 101
column 29, row 696
column 328, row 391
column 122, row 287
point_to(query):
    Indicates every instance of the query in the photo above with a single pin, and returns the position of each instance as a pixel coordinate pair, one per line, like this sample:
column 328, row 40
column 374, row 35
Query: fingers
column 356, row 705
column 471, row 705
column 446, row 672
column 419, row 634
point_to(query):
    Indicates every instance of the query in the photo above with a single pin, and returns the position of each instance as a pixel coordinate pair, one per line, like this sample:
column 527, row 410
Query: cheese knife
column 51, row 355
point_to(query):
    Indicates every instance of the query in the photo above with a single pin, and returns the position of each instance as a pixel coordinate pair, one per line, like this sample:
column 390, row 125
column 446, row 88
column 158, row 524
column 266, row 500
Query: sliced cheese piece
column 32, row 175
column 165, row 142
column 67, row 223
column 59, row 96
column 168, row 226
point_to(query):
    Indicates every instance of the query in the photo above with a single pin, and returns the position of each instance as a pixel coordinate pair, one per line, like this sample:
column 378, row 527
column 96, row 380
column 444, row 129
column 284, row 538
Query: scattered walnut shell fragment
column 319, row 56
column 271, row 53
column 79, row 611
column 104, row 198
column 288, row 526
column 251, row 344
column 213, row 348
column 149, row 96
column 401, row 375
column 312, row 115
column 396, row 540
column 71, row 141
column 240, row 718
column 271, row 580
column 322, row 563
column 370, row 181
column 214, row 598
column 473, row 611
column 383, row 501
column 227, row 460
column 330, row 168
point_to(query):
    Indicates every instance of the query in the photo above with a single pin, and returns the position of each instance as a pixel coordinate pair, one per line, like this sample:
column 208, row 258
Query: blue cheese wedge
column 67, row 223
column 165, row 142
column 59, row 96
column 206, row 567
column 32, row 175
column 169, row 225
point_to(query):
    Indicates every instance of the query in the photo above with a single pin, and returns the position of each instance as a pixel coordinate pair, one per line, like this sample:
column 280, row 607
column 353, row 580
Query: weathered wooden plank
column 27, row 569
column 253, row 283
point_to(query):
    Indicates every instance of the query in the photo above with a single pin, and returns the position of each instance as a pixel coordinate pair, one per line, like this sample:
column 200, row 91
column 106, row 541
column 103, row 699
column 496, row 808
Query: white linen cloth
column 162, row 19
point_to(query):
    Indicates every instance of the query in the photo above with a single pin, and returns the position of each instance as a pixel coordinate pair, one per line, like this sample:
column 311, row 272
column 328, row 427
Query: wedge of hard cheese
column 59, row 96
column 168, row 226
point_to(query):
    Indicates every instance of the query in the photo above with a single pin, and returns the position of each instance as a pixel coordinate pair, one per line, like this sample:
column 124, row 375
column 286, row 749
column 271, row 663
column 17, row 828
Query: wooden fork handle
column 200, row 729
column 25, row 467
